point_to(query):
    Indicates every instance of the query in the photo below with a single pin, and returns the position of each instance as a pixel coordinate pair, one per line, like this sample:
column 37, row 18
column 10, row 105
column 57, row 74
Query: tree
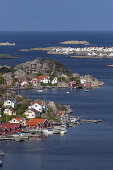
column 61, row 79
column 1, row 80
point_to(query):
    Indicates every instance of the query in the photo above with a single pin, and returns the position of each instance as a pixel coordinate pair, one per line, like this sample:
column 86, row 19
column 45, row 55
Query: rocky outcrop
column 44, row 66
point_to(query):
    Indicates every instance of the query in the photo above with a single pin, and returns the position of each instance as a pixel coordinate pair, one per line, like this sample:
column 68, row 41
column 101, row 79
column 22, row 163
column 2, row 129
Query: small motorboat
column 63, row 129
column 67, row 92
column 40, row 91
column 48, row 131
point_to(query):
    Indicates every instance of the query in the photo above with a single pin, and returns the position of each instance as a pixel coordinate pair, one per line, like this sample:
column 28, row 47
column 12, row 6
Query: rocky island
column 86, row 52
column 75, row 42
column 110, row 65
column 45, row 72
column 4, row 56
column 7, row 44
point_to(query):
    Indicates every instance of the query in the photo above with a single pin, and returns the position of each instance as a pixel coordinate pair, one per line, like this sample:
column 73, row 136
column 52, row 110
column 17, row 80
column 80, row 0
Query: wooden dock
column 91, row 120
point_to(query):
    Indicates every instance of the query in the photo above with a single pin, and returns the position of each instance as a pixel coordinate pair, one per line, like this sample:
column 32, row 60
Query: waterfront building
column 25, row 83
column 10, row 128
column 38, row 123
column 55, row 80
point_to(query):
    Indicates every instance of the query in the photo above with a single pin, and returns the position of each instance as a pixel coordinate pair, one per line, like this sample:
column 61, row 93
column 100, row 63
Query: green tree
column 61, row 79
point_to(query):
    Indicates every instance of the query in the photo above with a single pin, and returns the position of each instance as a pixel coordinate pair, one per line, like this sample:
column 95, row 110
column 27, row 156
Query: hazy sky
column 56, row 15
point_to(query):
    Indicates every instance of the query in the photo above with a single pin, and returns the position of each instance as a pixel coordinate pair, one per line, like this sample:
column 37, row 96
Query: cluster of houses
column 32, row 117
column 83, row 84
column 94, row 51
column 33, row 111
column 16, row 125
column 22, row 82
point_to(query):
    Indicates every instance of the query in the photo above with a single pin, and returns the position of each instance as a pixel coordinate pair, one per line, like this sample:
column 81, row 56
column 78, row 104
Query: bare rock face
column 8, row 76
column 19, row 73
column 44, row 66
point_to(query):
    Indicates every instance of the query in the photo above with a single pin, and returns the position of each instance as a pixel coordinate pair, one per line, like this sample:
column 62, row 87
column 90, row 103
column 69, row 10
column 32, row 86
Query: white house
column 32, row 113
column 10, row 103
column 39, row 106
column 35, row 81
column 18, row 120
column 45, row 80
column 83, row 81
column 25, row 83
column 55, row 80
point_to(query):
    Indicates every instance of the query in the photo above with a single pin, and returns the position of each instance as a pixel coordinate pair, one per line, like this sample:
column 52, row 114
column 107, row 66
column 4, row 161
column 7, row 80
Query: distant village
column 88, row 51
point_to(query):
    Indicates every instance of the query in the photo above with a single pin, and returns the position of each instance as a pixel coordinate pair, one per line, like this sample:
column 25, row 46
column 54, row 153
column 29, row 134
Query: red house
column 10, row 128
column 38, row 123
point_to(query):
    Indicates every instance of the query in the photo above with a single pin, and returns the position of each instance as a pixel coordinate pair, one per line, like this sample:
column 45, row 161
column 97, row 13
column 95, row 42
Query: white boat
column 67, row 92
column 63, row 129
column 40, row 91
column 48, row 131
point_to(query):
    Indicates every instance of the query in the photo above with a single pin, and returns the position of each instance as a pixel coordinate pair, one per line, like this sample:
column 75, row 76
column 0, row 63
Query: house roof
column 39, row 102
column 60, row 111
column 40, row 78
column 34, row 110
column 11, row 109
column 9, row 125
column 35, row 121
column 12, row 100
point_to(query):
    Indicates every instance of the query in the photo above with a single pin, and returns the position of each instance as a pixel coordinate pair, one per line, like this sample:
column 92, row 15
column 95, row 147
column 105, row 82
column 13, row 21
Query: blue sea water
column 85, row 147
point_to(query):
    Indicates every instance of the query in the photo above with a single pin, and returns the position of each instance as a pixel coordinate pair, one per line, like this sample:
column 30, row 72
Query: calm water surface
column 85, row 147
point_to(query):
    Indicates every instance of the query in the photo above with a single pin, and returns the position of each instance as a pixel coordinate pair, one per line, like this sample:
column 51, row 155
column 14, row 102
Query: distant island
column 7, row 44
column 75, row 42
column 110, row 65
column 4, row 56
column 85, row 56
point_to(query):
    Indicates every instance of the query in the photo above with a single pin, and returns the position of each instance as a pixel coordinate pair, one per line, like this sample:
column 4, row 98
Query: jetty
column 91, row 120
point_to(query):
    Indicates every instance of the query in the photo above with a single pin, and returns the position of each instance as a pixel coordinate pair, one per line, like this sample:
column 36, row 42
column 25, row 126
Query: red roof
column 39, row 78
column 35, row 121
column 19, row 119
column 39, row 102
column 60, row 111
column 42, row 77
column 9, row 125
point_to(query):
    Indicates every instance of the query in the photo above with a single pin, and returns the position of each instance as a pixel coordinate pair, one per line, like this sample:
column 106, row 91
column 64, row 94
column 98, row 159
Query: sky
column 56, row 15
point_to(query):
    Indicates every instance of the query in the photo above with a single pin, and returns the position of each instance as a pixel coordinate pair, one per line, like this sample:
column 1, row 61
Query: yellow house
column 10, row 112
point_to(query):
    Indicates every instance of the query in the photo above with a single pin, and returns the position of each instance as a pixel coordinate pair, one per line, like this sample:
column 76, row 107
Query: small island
column 75, row 42
column 7, row 44
column 7, row 56
column 110, row 65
